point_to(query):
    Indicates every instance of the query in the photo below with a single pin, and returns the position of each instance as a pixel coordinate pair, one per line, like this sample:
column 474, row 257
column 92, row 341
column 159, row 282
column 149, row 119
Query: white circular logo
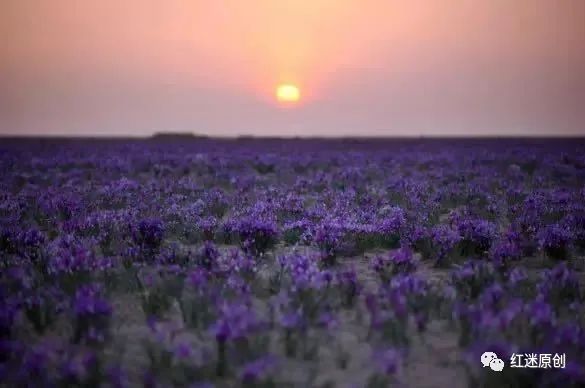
column 491, row 359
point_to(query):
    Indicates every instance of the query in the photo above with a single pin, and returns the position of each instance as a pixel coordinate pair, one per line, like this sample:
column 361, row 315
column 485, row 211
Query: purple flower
column 328, row 237
column 516, row 276
column 199, row 278
column 236, row 262
column 298, row 231
column 471, row 277
column 569, row 335
column 328, row 320
column 503, row 252
column 207, row 255
column 36, row 364
column 116, row 377
column 257, row 234
column 388, row 361
column 208, row 226
column 257, row 370
column 396, row 262
column 541, row 314
column 236, row 320
column 92, row 314
column 89, row 302
column 149, row 233
column 443, row 241
column 554, row 240
column 394, row 220
column 477, row 235
column 492, row 296
column 77, row 368
column 70, row 255
column 403, row 260
column 183, row 351
column 349, row 285
column 292, row 320
column 560, row 284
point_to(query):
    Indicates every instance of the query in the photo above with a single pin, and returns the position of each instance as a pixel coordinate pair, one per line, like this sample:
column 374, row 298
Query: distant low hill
column 177, row 136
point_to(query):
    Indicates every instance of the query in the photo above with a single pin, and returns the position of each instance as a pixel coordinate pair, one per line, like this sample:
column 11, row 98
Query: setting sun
column 287, row 93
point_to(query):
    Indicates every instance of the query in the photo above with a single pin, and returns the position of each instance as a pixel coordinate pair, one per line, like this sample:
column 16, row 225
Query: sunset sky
column 363, row 67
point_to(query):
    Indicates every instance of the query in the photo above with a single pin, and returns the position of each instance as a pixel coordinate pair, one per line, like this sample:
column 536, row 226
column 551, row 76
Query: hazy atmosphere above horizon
column 292, row 68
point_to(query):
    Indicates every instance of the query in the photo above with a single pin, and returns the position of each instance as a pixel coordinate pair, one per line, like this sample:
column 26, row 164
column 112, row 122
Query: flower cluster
column 256, row 235
column 149, row 234
column 251, row 259
column 91, row 315
column 399, row 261
column 555, row 241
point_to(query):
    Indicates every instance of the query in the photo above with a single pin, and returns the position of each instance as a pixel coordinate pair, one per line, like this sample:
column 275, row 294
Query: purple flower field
column 290, row 263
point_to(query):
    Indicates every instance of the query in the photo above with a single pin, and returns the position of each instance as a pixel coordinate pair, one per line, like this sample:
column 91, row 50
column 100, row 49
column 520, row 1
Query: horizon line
column 244, row 136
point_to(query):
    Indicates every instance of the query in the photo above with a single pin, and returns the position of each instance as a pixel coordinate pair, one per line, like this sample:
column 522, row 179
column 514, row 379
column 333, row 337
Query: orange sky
column 365, row 67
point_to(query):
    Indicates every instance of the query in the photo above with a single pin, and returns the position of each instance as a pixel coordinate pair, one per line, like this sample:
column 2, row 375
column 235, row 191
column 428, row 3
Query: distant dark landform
column 342, row 141
column 177, row 136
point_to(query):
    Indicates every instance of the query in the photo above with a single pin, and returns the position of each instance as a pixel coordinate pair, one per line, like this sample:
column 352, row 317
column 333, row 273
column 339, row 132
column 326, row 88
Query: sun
column 287, row 93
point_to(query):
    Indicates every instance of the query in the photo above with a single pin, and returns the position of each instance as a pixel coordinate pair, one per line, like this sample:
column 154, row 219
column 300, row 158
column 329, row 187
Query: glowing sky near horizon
column 364, row 67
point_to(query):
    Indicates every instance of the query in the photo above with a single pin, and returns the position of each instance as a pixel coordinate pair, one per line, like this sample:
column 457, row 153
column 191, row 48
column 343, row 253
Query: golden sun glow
column 287, row 93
